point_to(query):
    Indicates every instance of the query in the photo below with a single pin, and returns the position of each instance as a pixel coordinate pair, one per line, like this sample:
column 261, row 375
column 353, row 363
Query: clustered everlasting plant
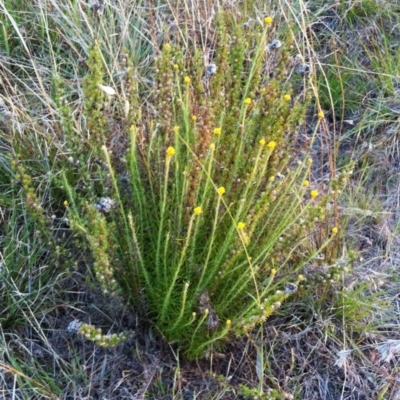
column 170, row 167
column 214, row 210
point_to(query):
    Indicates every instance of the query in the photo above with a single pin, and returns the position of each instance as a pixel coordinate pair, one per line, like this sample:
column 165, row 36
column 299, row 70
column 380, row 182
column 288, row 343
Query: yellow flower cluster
column 221, row 190
column 247, row 101
column 170, row 151
column 217, row 131
column 241, row 226
column 268, row 20
column 197, row 210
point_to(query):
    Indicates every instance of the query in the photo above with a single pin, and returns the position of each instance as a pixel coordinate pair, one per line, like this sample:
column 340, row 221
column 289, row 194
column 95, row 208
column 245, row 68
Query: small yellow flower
column 197, row 211
column 309, row 161
column 271, row 145
column 241, row 226
column 176, row 67
column 194, row 118
column 268, row 20
column 306, row 183
column 217, row 131
column 212, row 146
column 271, row 178
column 221, row 190
column 206, row 311
column 321, row 115
column 65, row 203
column 194, row 315
column 132, row 128
column 228, row 323
column 273, row 271
column 186, row 79
column 287, row 97
column 335, row 230
column 262, row 142
column 300, row 278
column 314, row 194
column 176, row 128
column 167, row 47
column 170, row 151
column 247, row 101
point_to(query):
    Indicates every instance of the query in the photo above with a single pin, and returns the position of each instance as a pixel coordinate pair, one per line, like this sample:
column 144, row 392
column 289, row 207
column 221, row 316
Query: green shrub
column 212, row 216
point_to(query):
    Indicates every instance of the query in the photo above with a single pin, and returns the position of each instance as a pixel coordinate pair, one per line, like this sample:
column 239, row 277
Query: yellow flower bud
column 314, row 194
column 194, row 118
column 271, row 145
column 212, row 146
column 217, row 131
column 268, row 20
column 247, row 101
column 186, row 79
column 176, row 128
column 300, row 278
column 273, row 271
column 228, row 323
column 241, row 226
column 197, row 211
column 170, row 151
column 321, row 115
column 65, row 203
column 335, row 230
column 221, row 190
column 262, row 142
column 287, row 97
column 306, row 183
column 176, row 67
